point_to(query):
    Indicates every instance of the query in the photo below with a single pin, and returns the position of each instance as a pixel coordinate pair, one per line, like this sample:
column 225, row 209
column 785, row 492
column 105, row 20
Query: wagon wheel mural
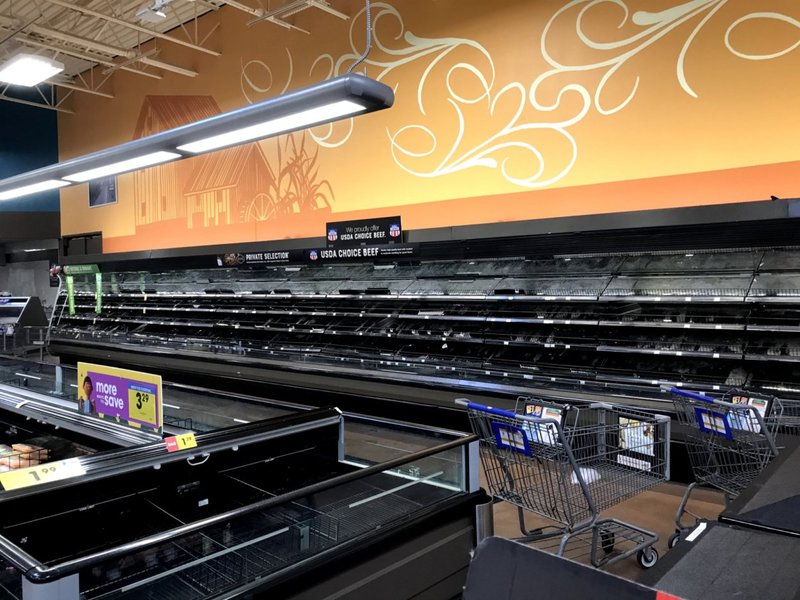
column 293, row 183
column 260, row 208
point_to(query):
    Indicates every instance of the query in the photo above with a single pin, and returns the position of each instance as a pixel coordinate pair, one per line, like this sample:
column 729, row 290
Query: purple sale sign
column 120, row 394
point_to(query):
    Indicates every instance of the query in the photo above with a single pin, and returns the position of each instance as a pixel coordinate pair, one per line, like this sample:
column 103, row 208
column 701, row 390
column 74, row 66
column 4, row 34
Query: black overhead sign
column 342, row 234
column 362, row 253
column 248, row 259
column 316, row 255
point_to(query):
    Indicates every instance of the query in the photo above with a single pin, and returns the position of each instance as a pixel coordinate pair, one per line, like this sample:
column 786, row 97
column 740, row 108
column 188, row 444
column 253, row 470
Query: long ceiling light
column 29, row 69
column 317, row 104
column 123, row 166
column 306, row 118
column 33, row 188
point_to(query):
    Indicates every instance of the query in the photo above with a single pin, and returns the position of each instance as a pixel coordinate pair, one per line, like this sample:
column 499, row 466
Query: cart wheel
column 647, row 557
column 607, row 540
column 673, row 540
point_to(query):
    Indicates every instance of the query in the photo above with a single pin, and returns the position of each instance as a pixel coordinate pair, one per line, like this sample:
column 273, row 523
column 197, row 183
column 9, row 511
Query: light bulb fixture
column 318, row 104
column 29, row 69
column 153, row 12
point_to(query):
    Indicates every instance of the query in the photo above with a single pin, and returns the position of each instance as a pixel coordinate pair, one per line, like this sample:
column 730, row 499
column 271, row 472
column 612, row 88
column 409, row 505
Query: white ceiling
column 87, row 33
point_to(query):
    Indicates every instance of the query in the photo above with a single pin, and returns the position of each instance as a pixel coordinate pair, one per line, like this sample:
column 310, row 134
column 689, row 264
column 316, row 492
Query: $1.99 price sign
column 180, row 442
column 44, row 473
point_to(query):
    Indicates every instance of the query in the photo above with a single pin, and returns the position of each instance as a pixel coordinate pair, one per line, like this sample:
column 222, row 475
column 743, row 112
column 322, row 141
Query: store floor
column 653, row 510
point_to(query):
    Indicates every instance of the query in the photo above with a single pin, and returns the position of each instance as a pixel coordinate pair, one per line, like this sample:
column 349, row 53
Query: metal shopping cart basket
column 730, row 440
column 568, row 464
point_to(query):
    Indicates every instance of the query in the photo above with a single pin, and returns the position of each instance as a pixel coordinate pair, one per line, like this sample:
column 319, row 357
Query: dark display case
column 248, row 511
column 623, row 324
column 20, row 311
column 38, row 426
column 22, row 320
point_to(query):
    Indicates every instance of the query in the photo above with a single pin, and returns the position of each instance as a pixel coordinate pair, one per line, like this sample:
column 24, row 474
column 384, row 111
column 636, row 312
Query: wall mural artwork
column 650, row 28
column 503, row 112
column 294, row 183
column 446, row 153
column 235, row 185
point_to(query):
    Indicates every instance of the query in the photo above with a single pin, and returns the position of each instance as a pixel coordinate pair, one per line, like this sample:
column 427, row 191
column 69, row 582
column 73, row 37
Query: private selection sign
column 129, row 397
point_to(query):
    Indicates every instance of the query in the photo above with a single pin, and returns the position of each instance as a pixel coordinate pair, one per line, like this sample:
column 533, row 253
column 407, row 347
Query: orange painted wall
column 505, row 111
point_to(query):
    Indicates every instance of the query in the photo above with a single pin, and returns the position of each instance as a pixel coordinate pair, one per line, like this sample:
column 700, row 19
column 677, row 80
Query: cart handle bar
column 499, row 412
column 692, row 395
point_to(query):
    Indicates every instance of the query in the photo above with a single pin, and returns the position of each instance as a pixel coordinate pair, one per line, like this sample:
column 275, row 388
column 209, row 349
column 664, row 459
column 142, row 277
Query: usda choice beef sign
column 343, row 234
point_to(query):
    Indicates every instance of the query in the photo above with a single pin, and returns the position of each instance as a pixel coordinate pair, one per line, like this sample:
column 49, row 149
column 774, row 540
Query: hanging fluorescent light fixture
column 29, row 69
column 317, row 104
column 305, row 118
column 123, row 166
column 34, row 188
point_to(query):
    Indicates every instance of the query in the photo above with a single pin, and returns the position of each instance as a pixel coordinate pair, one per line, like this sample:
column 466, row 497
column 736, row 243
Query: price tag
column 44, row 473
column 181, row 442
column 142, row 402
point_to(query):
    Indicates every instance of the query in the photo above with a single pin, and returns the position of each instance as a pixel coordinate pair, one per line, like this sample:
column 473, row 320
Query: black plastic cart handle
column 692, row 395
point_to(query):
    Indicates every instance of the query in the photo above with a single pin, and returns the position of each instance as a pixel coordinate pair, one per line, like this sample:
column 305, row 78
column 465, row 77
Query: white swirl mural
column 530, row 142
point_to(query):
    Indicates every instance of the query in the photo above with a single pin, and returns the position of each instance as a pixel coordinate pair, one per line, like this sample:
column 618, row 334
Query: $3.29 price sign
column 142, row 404
column 45, row 473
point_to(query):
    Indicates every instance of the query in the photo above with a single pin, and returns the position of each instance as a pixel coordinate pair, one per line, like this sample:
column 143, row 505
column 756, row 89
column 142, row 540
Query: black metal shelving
column 710, row 318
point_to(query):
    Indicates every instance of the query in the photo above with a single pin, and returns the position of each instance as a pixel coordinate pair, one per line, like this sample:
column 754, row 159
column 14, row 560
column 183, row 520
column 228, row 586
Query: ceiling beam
column 77, row 88
column 129, row 61
column 288, row 9
column 256, row 12
column 108, row 49
column 259, row 15
column 134, row 26
column 166, row 66
column 102, row 60
column 276, row 16
column 205, row 3
column 3, row 96
column 325, row 6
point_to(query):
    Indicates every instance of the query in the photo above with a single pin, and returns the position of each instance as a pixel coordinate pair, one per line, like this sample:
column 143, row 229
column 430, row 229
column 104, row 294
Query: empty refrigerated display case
column 623, row 324
column 248, row 512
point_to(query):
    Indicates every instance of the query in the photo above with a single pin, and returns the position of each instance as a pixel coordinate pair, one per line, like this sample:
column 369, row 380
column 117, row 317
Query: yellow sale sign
column 129, row 397
column 44, row 473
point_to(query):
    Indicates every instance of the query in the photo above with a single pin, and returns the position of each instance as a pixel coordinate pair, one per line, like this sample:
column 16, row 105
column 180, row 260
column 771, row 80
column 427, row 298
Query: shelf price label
column 44, row 473
column 181, row 442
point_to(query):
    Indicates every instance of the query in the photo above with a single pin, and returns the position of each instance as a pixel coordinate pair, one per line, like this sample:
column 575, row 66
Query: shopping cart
column 730, row 441
column 567, row 464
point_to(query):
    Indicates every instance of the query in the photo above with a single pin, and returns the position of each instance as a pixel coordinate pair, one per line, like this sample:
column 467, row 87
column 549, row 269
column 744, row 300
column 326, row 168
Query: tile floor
column 653, row 510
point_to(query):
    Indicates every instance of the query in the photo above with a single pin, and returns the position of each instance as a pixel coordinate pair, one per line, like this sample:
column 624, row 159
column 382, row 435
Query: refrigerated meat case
column 621, row 325
column 46, row 392
column 38, row 426
column 250, row 512
column 44, row 395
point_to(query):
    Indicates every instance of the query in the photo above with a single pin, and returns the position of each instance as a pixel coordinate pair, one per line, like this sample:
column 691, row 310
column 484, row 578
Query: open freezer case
column 247, row 511
column 39, row 428
column 53, row 389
